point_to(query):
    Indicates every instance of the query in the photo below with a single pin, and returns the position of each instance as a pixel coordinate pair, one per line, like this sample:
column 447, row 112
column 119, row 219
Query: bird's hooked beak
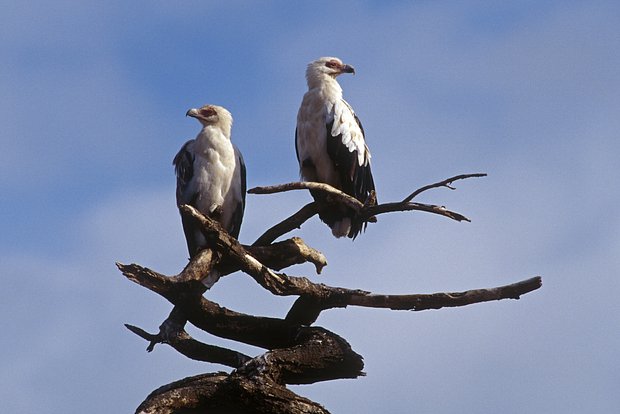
column 347, row 69
column 192, row 112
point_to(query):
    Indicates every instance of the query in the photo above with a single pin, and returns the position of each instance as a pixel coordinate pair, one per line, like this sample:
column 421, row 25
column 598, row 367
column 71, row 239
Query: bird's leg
column 371, row 201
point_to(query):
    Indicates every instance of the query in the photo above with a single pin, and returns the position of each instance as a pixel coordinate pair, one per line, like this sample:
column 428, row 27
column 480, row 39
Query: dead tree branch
column 172, row 332
column 277, row 256
column 319, row 297
column 344, row 198
column 221, row 393
column 420, row 302
column 263, row 332
column 291, row 223
column 410, row 206
column 297, row 353
column 444, row 183
column 367, row 211
column 285, row 340
column 286, row 253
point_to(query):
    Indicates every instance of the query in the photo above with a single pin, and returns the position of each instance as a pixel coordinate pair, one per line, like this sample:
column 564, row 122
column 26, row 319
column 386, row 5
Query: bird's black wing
column 356, row 179
column 240, row 207
column 184, row 169
column 297, row 147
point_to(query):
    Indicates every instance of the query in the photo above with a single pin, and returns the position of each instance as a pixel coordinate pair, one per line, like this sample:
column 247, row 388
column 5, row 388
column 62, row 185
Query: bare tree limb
column 280, row 284
column 444, row 183
column 287, row 342
column 420, row 302
column 172, row 332
column 297, row 352
column 367, row 211
column 308, row 307
column 278, row 256
column 221, row 393
column 258, row 385
column 293, row 222
column 409, row 206
column 286, row 253
column 317, row 355
column 263, row 332
column 326, row 297
column 344, row 198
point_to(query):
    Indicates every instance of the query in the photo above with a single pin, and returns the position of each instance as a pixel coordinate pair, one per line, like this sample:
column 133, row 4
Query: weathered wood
column 172, row 332
column 297, row 353
column 258, row 386
column 445, row 183
column 291, row 223
column 221, row 393
column 419, row 302
column 367, row 211
column 335, row 194
column 284, row 254
column 264, row 332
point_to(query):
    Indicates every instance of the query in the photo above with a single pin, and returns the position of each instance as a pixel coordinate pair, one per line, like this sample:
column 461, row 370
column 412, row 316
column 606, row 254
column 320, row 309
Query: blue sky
column 92, row 108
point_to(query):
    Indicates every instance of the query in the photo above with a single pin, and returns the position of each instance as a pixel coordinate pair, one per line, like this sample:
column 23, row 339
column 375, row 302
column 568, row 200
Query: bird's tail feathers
column 342, row 227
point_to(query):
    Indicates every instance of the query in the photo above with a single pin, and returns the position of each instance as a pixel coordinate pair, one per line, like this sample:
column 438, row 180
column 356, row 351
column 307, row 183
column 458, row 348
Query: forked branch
column 297, row 353
column 318, row 297
column 172, row 332
column 366, row 211
column 445, row 183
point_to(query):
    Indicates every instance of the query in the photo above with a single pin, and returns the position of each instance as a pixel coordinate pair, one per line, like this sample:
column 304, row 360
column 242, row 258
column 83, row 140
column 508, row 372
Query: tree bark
column 296, row 352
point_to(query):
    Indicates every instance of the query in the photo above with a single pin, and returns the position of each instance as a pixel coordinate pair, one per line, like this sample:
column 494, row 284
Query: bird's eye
column 207, row 112
column 332, row 64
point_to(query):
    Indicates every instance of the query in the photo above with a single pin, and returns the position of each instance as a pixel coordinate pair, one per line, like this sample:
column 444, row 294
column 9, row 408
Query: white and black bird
column 211, row 176
column 330, row 144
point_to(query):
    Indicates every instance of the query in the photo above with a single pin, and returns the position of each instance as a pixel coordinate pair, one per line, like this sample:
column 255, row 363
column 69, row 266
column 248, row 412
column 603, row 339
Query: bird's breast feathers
column 215, row 170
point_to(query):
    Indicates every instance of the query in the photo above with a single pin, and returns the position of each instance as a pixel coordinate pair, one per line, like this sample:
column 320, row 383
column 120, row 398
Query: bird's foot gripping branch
column 296, row 352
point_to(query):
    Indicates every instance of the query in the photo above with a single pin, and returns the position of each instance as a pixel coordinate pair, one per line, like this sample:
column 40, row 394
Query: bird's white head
column 326, row 68
column 213, row 115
